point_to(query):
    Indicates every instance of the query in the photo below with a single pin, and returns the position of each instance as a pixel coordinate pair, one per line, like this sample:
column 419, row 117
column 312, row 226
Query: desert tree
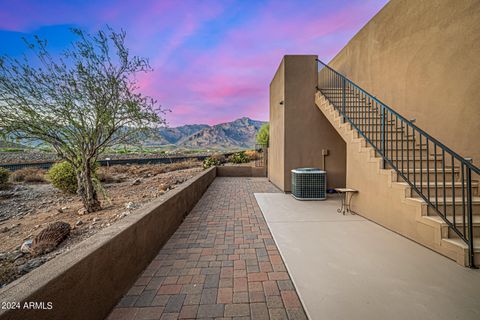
column 79, row 102
column 263, row 135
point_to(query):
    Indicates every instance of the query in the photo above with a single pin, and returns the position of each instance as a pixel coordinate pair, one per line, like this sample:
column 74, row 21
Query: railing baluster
column 396, row 141
column 414, row 151
column 403, row 137
column 453, row 192
column 343, row 99
column 470, row 218
column 463, row 200
column 435, row 175
column 421, row 162
column 444, row 187
column 428, row 170
column 408, row 153
column 383, row 136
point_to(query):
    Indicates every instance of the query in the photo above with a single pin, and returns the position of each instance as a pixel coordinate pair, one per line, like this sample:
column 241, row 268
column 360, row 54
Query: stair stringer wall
column 380, row 198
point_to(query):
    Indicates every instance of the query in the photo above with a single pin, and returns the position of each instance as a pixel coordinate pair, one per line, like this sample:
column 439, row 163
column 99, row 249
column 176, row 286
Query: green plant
column 210, row 162
column 11, row 150
column 239, row 157
column 62, row 175
column 263, row 134
column 4, row 175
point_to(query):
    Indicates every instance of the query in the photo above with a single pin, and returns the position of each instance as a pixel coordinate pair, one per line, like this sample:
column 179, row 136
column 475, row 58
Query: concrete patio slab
column 347, row 267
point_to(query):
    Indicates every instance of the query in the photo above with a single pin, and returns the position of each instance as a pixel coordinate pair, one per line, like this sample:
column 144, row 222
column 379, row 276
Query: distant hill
column 174, row 135
column 236, row 134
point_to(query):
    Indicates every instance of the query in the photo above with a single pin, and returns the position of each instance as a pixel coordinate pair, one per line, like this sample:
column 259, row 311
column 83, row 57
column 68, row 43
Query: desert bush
column 11, row 150
column 106, row 175
column 8, row 272
column 251, row 154
column 62, row 176
column 210, row 162
column 239, row 157
column 28, row 175
column 4, row 175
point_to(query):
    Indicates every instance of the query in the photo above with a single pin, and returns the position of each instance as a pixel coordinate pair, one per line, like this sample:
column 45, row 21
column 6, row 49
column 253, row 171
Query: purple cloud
column 213, row 60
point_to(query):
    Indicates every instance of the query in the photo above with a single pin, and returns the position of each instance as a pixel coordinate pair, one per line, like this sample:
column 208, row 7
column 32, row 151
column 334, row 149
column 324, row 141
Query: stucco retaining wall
column 88, row 280
column 241, row 171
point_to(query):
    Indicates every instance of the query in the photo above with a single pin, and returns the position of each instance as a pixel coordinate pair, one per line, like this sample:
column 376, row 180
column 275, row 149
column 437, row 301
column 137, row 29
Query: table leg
column 348, row 204
column 342, row 209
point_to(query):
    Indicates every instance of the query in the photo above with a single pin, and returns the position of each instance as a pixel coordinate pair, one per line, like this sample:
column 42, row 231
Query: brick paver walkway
column 221, row 263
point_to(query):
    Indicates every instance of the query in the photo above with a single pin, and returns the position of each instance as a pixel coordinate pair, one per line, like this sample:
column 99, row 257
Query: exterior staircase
column 431, row 192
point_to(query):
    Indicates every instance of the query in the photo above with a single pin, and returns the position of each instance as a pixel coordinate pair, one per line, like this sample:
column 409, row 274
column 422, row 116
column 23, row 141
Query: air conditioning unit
column 309, row 184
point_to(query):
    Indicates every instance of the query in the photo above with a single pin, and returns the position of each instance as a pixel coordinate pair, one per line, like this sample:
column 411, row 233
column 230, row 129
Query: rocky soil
column 27, row 208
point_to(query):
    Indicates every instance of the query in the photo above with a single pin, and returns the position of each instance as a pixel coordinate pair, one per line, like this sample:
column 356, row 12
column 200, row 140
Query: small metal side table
column 347, row 195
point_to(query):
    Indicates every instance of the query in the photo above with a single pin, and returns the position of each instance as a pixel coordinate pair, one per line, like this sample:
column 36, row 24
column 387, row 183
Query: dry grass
column 30, row 175
column 105, row 175
column 8, row 272
column 251, row 154
column 151, row 169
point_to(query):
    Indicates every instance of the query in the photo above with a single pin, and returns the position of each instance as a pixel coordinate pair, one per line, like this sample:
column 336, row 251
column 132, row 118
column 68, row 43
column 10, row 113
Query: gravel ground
column 26, row 209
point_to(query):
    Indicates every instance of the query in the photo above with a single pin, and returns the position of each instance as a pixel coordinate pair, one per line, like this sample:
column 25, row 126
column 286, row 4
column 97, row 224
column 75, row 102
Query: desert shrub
column 8, row 272
column 220, row 157
column 4, row 175
column 251, row 154
column 62, row 176
column 214, row 160
column 28, row 175
column 239, row 157
column 11, row 150
column 210, row 162
column 107, row 175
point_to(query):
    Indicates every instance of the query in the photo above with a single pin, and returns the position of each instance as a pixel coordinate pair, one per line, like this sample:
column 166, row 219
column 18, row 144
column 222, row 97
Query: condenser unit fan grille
column 309, row 184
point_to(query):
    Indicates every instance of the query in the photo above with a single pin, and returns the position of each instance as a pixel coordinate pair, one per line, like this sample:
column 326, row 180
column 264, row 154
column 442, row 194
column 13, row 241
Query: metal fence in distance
column 163, row 160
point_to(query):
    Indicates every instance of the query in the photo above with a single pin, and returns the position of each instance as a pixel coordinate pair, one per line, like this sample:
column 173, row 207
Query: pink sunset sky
column 213, row 60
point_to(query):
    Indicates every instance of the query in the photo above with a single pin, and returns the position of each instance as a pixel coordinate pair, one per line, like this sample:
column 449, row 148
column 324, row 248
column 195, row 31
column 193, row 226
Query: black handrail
column 398, row 146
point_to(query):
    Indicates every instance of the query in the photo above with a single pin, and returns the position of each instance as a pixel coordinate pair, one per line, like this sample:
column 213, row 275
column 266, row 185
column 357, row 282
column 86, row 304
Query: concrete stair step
column 431, row 161
column 447, row 232
column 447, row 206
column 458, row 220
column 449, row 186
column 460, row 245
column 416, row 175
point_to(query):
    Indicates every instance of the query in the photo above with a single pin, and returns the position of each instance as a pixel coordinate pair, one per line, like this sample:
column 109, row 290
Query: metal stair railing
column 401, row 144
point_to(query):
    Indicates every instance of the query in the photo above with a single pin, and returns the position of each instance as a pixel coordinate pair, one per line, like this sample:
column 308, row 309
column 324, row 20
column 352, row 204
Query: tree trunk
column 86, row 189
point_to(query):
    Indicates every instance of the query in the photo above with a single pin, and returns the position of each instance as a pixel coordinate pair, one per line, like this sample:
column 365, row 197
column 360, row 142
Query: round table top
column 344, row 190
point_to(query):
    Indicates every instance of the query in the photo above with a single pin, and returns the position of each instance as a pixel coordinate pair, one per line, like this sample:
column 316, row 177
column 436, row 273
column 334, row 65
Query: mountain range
column 238, row 134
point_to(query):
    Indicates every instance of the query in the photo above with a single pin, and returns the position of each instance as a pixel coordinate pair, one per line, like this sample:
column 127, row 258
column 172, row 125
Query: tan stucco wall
column 241, row 171
column 276, row 148
column 300, row 126
column 422, row 58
